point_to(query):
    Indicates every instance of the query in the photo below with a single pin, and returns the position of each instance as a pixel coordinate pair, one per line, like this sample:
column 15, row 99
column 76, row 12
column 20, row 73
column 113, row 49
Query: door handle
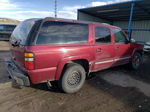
column 98, row 49
column 117, row 48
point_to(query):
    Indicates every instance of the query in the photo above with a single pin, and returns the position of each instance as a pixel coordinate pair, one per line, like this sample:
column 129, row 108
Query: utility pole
column 55, row 9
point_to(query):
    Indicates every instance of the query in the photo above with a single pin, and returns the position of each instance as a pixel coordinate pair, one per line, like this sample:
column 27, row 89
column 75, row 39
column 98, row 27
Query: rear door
column 104, row 48
column 123, row 48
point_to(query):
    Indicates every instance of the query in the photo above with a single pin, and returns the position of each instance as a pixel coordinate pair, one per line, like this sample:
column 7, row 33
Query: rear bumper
column 16, row 74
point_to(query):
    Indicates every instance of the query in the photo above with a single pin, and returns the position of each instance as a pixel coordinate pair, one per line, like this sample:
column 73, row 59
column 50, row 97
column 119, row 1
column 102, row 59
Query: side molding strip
column 114, row 60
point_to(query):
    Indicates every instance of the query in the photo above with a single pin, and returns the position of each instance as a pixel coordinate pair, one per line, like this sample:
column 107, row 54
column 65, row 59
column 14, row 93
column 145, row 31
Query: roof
column 120, row 11
column 77, row 21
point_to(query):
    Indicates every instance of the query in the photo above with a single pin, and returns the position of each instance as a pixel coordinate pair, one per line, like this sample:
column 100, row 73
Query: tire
column 73, row 78
column 136, row 61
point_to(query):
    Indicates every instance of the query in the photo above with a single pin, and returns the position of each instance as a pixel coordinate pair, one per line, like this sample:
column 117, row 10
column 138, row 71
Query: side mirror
column 132, row 40
column 127, row 41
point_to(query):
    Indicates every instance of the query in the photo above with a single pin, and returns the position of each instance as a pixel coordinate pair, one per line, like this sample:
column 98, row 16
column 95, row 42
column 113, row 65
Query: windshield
column 22, row 31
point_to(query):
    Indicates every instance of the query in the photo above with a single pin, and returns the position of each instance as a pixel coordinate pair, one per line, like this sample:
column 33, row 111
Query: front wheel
column 136, row 61
column 73, row 78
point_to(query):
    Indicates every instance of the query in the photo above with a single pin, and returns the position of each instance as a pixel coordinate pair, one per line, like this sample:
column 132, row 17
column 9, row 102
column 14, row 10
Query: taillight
column 29, row 61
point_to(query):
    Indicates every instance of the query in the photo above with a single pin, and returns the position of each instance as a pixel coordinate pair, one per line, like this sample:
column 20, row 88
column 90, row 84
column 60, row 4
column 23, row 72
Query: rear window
column 22, row 31
column 53, row 32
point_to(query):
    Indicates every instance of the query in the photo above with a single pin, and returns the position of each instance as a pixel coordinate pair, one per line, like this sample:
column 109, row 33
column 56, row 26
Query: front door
column 123, row 48
column 104, row 48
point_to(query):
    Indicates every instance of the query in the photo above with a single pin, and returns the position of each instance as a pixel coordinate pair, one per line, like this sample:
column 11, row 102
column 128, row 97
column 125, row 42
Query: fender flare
column 135, row 50
column 67, row 59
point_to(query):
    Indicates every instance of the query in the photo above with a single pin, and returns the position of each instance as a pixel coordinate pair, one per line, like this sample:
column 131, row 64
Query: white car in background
column 147, row 47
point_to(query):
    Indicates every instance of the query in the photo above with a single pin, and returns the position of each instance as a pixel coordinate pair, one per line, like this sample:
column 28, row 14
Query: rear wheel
column 136, row 61
column 73, row 78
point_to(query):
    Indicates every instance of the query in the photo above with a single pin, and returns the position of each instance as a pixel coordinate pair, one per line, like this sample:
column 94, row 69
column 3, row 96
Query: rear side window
column 102, row 35
column 53, row 32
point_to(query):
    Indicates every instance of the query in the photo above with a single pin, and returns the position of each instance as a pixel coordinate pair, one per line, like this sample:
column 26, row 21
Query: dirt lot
column 4, row 46
column 114, row 90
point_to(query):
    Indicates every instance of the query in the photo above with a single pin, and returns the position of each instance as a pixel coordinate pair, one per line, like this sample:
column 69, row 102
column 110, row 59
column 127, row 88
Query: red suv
column 44, row 50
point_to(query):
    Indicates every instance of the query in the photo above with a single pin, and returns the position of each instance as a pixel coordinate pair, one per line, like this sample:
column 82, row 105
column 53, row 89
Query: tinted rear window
column 53, row 32
column 21, row 32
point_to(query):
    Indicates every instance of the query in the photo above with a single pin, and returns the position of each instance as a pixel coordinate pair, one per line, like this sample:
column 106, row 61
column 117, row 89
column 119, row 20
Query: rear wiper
column 16, row 43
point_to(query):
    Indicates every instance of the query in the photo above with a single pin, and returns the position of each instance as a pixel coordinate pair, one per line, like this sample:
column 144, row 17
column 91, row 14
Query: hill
column 8, row 21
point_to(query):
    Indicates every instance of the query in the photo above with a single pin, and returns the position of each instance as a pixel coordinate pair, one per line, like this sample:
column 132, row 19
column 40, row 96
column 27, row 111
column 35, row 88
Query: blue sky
column 24, row 9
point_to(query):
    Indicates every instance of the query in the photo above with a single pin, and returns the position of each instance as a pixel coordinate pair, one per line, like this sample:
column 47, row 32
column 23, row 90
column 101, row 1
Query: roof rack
column 71, row 20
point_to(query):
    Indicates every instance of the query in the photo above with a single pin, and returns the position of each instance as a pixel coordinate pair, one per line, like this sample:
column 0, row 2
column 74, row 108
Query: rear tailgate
column 17, row 54
column 19, row 39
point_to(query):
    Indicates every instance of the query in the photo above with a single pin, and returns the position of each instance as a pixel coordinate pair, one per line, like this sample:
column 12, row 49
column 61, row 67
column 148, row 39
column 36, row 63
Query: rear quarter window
column 53, row 32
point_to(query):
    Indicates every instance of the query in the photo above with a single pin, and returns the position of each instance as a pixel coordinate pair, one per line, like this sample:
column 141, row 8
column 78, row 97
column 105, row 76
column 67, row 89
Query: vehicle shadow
column 43, row 86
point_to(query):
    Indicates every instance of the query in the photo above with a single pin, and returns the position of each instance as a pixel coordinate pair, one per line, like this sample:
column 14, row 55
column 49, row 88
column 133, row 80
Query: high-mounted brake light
column 29, row 61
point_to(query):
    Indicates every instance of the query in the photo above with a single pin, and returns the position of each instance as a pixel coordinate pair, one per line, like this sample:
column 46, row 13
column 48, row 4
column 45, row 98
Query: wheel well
column 140, row 51
column 82, row 62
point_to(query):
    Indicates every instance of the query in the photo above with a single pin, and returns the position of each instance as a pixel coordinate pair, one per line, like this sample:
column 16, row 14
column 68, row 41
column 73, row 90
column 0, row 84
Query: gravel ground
column 114, row 90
